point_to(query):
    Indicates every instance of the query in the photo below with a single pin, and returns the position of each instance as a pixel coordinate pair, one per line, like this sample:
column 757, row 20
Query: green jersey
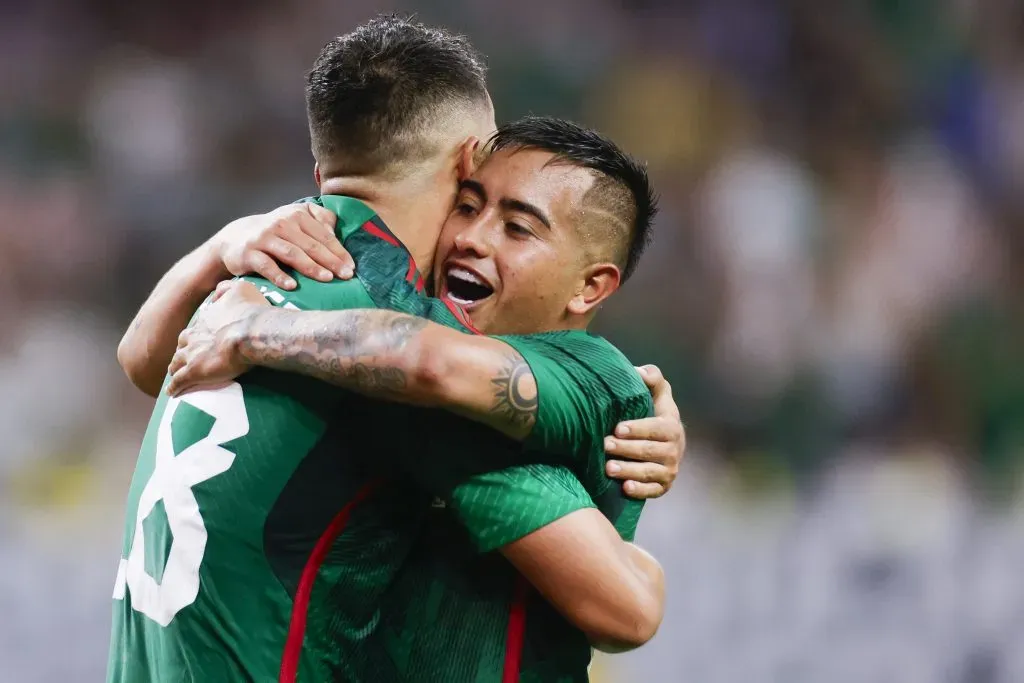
column 458, row 611
column 259, row 537
column 234, row 564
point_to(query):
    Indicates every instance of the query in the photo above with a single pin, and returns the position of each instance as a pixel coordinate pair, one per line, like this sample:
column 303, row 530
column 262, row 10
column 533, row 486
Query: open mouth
column 465, row 287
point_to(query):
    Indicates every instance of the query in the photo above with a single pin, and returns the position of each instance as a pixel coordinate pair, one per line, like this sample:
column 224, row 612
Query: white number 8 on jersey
column 172, row 481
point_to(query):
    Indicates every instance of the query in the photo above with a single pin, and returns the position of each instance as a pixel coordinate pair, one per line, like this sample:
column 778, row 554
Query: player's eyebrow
column 525, row 207
column 475, row 187
column 506, row 203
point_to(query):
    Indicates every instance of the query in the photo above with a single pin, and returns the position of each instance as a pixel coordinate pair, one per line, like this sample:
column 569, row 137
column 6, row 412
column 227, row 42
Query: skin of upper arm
column 577, row 564
column 481, row 378
column 542, row 520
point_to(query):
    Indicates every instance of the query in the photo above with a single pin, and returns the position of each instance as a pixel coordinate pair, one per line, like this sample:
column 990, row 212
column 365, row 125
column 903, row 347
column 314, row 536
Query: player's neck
column 579, row 323
column 401, row 209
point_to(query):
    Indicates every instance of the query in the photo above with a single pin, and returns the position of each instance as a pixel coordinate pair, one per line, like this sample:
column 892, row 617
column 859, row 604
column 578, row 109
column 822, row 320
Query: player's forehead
column 536, row 177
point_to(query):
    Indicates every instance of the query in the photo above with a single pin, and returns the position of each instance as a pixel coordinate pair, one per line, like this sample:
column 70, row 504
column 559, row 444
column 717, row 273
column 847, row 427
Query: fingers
column 330, row 263
column 660, row 452
column 180, row 385
column 284, row 250
column 250, row 294
column 661, row 390
column 185, row 373
column 640, row 491
column 644, row 472
column 324, row 217
column 650, row 428
column 651, row 375
column 309, row 238
column 177, row 360
column 222, row 288
column 264, row 266
column 297, row 236
column 321, row 228
column 178, row 376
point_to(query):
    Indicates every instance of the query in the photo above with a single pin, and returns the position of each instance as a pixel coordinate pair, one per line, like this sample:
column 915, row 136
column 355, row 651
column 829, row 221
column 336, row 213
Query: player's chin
column 478, row 305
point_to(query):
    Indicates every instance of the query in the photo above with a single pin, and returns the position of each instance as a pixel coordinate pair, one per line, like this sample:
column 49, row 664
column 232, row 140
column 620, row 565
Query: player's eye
column 465, row 209
column 517, row 230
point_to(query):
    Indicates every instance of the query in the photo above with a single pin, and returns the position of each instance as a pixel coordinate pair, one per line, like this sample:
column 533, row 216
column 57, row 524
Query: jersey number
column 172, row 481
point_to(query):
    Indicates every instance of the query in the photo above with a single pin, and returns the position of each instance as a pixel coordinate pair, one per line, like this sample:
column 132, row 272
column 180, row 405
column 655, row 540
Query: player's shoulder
column 353, row 214
column 589, row 358
column 385, row 272
column 580, row 347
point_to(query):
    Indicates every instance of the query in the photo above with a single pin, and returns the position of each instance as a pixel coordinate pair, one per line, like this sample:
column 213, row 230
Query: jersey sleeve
column 585, row 387
column 498, row 508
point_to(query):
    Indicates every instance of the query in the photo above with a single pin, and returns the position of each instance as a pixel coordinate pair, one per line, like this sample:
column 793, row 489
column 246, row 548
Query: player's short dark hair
column 623, row 188
column 373, row 94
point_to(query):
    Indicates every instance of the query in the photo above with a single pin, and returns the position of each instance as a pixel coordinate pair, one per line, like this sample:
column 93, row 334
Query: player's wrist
column 210, row 267
column 240, row 339
column 235, row 341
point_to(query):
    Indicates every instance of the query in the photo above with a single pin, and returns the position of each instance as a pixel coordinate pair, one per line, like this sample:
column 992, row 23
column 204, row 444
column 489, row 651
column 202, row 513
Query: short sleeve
column 498, row 508
column 585, row 387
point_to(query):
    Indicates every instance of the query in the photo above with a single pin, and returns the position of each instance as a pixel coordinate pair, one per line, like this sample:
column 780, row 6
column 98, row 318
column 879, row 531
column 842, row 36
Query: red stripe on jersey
column 460, row 315
column 300, row 607
column 414, row 277
column 516, row 633
column 371, row 228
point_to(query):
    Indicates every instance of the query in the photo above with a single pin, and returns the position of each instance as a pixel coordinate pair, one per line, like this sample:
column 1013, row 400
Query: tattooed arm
column 378, row 353
column 300, row 236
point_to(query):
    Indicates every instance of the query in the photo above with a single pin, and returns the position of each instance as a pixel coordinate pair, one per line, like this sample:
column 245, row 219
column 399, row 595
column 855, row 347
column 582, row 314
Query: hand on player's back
column 652, row 447
column 299, row 236
column 206, row 357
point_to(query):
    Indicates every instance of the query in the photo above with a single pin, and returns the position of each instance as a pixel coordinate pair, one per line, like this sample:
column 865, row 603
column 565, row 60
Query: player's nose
column 475, row 239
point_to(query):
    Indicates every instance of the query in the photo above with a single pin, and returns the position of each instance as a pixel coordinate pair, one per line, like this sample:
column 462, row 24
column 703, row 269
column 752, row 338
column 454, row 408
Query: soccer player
column 235, row 566
column 541, row 235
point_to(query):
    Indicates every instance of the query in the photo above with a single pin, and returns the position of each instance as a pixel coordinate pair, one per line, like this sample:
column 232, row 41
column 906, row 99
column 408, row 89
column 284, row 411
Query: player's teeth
column 463, row 274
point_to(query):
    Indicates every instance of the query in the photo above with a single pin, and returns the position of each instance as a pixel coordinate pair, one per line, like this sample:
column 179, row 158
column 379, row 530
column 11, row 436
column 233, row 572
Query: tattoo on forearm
column 357, row 350
column 510, row 402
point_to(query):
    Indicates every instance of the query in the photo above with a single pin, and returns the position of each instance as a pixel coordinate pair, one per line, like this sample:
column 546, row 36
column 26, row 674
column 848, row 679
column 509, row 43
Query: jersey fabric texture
column 458, row 611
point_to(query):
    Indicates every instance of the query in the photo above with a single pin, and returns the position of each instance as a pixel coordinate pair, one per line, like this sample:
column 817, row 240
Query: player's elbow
column 626, row 629
column 136, row 367
column 646, row 621
column 638, row 608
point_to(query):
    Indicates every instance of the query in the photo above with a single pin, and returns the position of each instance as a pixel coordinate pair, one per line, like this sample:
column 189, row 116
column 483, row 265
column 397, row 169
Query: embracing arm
column 300, row 236
column 546, row 523
column 394, row 356
column 148, row 345
column 610, row 589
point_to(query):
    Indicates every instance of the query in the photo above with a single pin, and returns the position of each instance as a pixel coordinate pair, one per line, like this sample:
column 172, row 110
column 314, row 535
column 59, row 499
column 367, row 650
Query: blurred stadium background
column 836, row 291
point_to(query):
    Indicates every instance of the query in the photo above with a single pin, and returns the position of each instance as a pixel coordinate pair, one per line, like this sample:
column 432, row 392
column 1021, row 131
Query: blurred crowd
column 835, row 289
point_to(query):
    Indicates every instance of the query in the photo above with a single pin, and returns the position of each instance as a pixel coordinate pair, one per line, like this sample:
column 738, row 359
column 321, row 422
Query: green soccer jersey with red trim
column 458, row 611
column 266, row 520
column 257, row 537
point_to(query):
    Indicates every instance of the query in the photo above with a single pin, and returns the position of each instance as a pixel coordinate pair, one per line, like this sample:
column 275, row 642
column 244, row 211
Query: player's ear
column 468, row 157
column 600, row 281
column 316, row 173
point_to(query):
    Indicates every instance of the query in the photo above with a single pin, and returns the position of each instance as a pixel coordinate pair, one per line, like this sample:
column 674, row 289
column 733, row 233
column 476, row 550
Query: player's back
column 234, row 567
column 459, row 611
